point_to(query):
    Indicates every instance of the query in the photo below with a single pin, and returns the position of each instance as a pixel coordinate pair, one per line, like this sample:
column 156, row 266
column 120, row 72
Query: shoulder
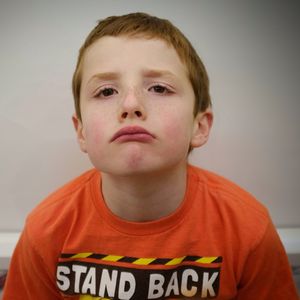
column 60, row 198
column 226, row 191
column 234, row 207
column 60, row 209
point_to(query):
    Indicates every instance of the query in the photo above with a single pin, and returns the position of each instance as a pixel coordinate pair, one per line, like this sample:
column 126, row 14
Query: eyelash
column 160, row 86
column 100, row 92
column 166, row 89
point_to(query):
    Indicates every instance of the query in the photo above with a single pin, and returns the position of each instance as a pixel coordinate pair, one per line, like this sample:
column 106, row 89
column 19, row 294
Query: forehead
column 131, row 54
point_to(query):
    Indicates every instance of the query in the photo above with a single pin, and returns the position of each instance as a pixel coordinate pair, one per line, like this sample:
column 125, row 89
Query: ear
column 80, row 133
column 202, row 125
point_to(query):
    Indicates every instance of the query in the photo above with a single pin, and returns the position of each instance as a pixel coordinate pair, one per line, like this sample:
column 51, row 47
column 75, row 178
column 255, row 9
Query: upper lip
column 130, row 130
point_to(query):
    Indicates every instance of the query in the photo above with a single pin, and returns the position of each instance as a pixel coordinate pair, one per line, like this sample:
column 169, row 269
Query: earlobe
column 79, row 132
column 202, row 125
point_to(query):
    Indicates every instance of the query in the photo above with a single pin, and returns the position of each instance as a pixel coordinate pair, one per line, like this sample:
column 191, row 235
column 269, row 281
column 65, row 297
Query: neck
column 147, row 197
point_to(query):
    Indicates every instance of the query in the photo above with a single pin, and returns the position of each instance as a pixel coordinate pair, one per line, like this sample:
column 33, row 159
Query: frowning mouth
column 132, row 134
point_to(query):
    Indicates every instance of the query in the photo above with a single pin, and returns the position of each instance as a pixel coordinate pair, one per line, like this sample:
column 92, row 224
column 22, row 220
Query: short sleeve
column 28, row 277
column 267, row 273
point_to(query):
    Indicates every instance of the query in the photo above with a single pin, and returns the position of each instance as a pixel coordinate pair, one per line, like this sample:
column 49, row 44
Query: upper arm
column 28, row 275
column 267, row 273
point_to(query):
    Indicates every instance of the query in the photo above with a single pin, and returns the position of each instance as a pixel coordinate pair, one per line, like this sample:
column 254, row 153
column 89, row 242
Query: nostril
column 127, row 114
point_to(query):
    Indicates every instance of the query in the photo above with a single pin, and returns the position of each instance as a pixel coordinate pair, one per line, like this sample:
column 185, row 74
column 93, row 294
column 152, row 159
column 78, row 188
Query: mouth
column 132, row 134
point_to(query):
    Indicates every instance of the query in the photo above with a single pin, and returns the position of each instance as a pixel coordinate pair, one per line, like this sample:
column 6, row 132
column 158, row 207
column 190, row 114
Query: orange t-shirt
column 220, row 243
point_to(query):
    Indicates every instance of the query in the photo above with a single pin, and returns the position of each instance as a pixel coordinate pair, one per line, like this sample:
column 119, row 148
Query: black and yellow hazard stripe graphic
column 145, row 261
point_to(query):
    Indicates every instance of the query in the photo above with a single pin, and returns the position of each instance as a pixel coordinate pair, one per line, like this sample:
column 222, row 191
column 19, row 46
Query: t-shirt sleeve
column 28, row 276
column 267, row 273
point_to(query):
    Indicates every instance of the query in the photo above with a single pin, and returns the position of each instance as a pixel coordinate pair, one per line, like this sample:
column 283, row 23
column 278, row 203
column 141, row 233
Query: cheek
column 94, row 132
column 177, row 132
column 172, row 130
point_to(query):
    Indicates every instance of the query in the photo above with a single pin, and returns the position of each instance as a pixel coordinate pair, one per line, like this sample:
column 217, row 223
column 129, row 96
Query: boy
column 144, row 224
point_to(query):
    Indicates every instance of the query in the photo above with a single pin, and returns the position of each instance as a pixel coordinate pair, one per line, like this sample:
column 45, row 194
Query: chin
column 135, row 170
column 132, row 163
column 144, row 168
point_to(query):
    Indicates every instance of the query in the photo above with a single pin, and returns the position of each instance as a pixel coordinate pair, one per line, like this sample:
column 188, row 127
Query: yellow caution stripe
column 144, row 261
column 82, row 255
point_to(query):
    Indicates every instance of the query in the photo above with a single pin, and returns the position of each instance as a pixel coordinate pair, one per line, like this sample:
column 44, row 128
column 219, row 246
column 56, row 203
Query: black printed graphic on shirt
column 119, row 277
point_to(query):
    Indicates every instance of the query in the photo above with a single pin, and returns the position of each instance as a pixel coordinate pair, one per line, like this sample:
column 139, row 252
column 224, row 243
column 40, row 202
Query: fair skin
column 138, row 86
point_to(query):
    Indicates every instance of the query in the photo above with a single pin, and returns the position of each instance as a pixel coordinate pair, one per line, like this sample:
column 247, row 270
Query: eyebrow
column 157, row 73
column 105, row 76
column 147, row 73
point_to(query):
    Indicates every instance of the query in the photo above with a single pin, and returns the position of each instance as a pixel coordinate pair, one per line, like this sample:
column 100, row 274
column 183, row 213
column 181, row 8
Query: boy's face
column 137, row 107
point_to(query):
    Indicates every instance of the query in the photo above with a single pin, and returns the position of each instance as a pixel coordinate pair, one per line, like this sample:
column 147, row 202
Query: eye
column 160, row 89
column 106, row 92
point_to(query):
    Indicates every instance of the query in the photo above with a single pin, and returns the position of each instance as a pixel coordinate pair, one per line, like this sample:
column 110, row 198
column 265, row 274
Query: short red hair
column 147, row 26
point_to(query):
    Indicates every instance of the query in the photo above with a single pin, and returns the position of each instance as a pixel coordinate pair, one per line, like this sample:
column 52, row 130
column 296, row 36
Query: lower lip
column 136, row 137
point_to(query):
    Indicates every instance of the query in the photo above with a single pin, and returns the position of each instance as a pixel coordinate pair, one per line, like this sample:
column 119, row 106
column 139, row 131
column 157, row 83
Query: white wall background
column 251, row 50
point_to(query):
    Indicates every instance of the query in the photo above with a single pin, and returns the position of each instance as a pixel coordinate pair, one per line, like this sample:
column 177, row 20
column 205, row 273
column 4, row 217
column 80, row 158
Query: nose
column 132, row 107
